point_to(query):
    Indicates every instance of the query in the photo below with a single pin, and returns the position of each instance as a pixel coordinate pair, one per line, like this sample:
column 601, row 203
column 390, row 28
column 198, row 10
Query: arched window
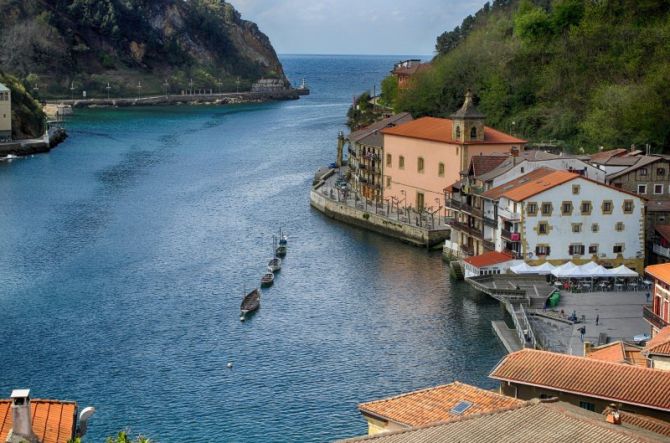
column 473, row 132
column 419, row 164
column 440, row 170
column 458, row 131
column 401, row 162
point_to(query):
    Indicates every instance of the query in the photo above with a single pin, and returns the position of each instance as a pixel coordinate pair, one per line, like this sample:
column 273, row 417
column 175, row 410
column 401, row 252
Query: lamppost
column 72, row 90
column 166, row 85
column 139, row 89
column 108, row 87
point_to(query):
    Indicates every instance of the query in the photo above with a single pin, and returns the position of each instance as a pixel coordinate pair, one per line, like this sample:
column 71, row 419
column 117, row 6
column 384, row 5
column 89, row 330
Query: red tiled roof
column 642, row 421
column 481, row 164
column 434, row 405
column 589, row 377
column 659, row 343
column 53, row 421
column 664, row 230
column 488, row 259
column 618, row 352
column 499, row 191
column 660, row 272
column 439, row 130
column 603, row 156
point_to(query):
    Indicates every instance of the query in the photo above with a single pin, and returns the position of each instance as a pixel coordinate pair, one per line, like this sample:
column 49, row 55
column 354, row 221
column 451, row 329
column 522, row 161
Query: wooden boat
column 267, row 279
column 251, row 302
column 280, row 251
column 275, row 264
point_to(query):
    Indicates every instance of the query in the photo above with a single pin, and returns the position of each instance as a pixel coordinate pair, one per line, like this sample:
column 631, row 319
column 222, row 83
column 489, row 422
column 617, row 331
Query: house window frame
column 595, row 227
column 590, row 207
column 593, row 248
column 420, row 165
column 620, row 246
column 440, row 169
column 575, row 189
column 543, row 250
column 628, row 206
column 401, row 162
column 388, row 182
column 644, row 172
column 620, row 226
column 389, row 160
column 546, row 205
column 576, row 228
column 531, row 209
column 543, row 226
column 611, row 207
column 657, row 185
column 572, row 249
column 642, row 188
column 567, row 204
column 660, row 172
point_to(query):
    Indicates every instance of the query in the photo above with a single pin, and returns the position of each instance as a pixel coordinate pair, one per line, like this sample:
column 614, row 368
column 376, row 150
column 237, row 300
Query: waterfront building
column 534, row 421
column 649, row 177
column 5, row 114
column 616, row 352
column 366, row 151
column 432, row 405
column 489, row 263
column 23, row 419
column 660, row 245
column 589, row 383
column 406, row 69
column 425, row 155
column 560, row 216
column 657, row 314
column 657, row 350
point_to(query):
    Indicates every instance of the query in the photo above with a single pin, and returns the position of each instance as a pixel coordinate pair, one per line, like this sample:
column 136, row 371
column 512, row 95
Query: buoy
column 230, row 365
column 242, row 318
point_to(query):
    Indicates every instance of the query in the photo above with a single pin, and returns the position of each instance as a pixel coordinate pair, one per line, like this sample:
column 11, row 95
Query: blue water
column 125, row 253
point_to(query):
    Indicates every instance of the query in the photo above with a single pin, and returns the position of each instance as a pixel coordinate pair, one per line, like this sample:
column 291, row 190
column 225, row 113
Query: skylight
column 461, row 407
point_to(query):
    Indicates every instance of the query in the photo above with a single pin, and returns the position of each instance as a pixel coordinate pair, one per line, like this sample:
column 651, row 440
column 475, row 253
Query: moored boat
column 275, row 264
column 267, row 279
column 251, row 302
column 280, row 251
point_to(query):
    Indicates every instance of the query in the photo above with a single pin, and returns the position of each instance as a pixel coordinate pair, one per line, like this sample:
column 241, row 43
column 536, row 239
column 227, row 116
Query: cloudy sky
column 355, row 26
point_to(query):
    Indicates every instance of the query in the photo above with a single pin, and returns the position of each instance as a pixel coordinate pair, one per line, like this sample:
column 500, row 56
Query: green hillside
column 583, row 74
column 27, row 116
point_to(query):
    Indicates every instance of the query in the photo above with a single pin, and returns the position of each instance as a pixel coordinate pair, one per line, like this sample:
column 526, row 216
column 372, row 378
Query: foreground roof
column 661, row 272
column 3, row 88
column 659, row 344
column 439, row 130
column 393, row 120
column 53, row 421
column 488, row 259
column 589, row 377
column 532, row 422
column 642, row 421
column 619, row 352
column 434, row 405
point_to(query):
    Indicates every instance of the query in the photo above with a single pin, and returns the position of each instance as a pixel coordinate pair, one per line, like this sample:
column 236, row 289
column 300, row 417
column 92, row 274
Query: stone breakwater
column 183, row 99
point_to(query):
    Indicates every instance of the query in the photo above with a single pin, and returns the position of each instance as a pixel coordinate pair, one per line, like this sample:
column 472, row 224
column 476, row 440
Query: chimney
column 22, row 426
column 613, row 415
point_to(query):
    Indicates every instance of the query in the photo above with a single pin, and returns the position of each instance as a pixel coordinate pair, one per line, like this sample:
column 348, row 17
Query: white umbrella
column 544, row 268
column 522, row 268
column 565, row 270
column 622, row 271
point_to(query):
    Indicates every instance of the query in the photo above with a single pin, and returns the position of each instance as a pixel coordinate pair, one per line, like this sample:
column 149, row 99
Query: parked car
column 641, row 339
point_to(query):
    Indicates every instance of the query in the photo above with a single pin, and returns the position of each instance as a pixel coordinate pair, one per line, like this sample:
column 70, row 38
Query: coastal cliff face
column 153, row 44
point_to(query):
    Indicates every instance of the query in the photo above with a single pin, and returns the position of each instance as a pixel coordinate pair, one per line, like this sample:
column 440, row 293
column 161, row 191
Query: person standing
column 597, row 319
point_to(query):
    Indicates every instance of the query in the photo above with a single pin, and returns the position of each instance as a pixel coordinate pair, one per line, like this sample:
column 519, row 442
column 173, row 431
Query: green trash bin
column 554, row 299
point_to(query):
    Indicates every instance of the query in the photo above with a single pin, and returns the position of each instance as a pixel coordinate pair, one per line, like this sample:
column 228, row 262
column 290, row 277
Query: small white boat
column 275, row 264
column 267, row 279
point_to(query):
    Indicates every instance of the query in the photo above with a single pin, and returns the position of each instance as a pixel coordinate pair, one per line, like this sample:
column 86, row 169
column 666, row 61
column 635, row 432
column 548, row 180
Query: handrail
column 531, row 334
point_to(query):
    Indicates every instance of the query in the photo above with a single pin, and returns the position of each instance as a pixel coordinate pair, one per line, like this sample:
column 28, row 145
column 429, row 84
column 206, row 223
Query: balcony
column 466, row 228
column 489, row 245
column 660, row 250
column 468, row 250
column 511, row 236
column 516, row 255
column 509, row 215
column 490, row 222
column 454, row 204
column 652, row 318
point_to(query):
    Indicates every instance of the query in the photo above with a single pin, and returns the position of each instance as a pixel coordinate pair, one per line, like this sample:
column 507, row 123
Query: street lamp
column 108, row 87
column 166, row 85
column 139, row 89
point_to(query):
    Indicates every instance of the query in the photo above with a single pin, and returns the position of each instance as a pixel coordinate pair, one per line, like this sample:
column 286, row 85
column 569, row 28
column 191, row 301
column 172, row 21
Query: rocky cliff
column 65, row 47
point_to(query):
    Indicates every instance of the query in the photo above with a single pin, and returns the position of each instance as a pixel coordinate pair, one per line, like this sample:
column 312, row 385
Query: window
column 593, row 249
column 643, row 172
column 618, row 249
column 607, row 207
column 401, row 162
column 531, row 209
column 575, row 189
column 388, row 159
column 546, row 209
column 543, row 228
column 458, row 133
column 619, row 227
column 576, row 228
column 595, row 227
column 542, row 250
column 658, row 189
column 388, row 182
column 586, row 208
column 473, row 133
column 440, row 170
column 523, row 170
column 566, row 208
column 587, row 405
column 419, row 164
column 641, row 189
column 628, row 206
column 576, row 249
column 660, row 172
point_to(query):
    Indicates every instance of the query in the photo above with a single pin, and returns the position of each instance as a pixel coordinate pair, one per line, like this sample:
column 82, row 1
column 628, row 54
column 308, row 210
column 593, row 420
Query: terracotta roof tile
column 659, row 343
column 660, row 272
column 642, row 421
column 531, row 422
column 533, row 176
column 488, row 259
column 53, row 421
column 481, row 164
column 603, row 156
column 618, row 352
column 664, row 230
column 586, row 376
column 434, row 404
column 439, row 130
column 396, row 119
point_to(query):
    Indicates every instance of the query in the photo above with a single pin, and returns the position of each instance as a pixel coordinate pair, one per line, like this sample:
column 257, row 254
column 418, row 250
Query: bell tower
column 468, row 122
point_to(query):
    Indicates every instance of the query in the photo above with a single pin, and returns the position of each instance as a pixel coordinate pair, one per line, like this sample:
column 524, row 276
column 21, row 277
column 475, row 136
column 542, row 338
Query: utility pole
column 108, row 88
column 72, row 90
column 139, row 89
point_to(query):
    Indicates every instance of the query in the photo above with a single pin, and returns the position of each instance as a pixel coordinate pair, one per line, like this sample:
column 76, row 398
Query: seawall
column 415, row 235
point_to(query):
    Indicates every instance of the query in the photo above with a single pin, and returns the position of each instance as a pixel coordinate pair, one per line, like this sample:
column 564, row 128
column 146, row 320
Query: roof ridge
column 405, row 394
column 579, row 358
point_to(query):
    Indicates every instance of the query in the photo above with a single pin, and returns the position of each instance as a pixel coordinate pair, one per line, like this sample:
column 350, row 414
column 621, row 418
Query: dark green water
column 125, row 253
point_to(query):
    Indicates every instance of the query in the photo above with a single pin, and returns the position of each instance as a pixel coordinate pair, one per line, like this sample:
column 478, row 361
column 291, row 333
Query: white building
column 5, row 113
column 560, row 216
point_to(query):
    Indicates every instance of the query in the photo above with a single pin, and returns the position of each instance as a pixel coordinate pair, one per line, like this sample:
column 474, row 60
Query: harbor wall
column 415, row 235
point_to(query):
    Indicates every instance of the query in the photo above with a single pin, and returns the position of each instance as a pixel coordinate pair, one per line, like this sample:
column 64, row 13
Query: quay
column 21, row 148
column 419, row 229
column 178, row 99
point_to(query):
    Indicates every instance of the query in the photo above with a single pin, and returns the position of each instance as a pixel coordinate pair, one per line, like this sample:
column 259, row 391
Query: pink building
column 424, row 156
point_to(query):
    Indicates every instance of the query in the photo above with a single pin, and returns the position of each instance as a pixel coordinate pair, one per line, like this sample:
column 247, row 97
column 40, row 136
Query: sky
column 382, row 27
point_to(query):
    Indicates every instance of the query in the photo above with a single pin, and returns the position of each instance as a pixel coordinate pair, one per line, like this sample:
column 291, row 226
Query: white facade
column 603, row 224
column 566, row 164
column 5, row 113
column 498, row 268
